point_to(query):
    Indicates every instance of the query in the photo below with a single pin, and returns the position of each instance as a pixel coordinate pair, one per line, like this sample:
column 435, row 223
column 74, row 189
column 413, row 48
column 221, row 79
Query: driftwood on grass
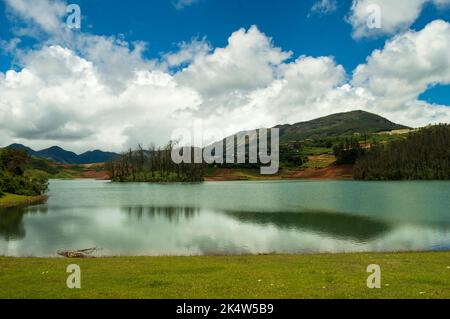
column 83, row 253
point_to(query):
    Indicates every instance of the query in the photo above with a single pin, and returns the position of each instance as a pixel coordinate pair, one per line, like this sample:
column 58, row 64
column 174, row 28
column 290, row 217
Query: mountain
column 96, row 156
column 22, row 147
column 60, row 155
column 329, row 126
column 336, row 125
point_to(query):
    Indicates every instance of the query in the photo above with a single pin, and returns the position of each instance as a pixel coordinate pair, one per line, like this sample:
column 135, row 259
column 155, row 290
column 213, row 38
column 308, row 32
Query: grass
column 63, row 175
column 68, row 171
column 320, row 161
column 11, row 200
column 404, row 275
column 316, row 151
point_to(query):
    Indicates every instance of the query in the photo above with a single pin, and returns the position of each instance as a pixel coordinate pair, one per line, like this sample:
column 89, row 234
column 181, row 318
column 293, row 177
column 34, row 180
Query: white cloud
column 60, row 97
column 406, row 67
column 83, row 91
column 248, row 62
column 116, row 60
column 396, row 16
column 408, row 64
column 324, row 7
column 46, row 14
column 187, row 53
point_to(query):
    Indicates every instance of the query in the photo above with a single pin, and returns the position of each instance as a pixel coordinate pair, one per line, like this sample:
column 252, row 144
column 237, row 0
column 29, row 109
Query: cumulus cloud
column 396, row 16
column 406, row 67
column 248, row 62
column 101, row 92
column 59, row 96
column 187, row 52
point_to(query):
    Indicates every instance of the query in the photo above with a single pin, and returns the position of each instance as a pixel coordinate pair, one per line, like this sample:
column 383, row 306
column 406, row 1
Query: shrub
column 15, row 179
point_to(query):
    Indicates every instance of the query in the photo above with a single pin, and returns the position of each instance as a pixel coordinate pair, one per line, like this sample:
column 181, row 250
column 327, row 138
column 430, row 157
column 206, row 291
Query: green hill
column 337, row 125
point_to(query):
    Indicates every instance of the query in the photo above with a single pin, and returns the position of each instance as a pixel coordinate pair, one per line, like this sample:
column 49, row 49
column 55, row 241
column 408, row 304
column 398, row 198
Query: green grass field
column 316, row 151
column 321, row 161
column 11, row 200
column 404, row 275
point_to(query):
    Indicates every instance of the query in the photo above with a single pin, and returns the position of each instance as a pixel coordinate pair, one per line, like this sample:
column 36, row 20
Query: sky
column 141, row 71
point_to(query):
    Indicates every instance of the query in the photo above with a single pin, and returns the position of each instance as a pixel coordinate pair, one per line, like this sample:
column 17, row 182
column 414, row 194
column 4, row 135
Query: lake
column 231, row 218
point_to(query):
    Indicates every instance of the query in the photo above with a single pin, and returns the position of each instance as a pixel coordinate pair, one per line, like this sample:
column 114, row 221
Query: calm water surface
column 231, row 218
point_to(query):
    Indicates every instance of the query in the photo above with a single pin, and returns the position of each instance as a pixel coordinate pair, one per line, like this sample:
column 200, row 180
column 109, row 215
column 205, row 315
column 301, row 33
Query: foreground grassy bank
column 11, row 200
column 404, row 275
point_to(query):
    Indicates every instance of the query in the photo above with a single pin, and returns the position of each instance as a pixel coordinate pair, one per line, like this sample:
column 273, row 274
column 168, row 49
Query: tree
column 154, row 165
column 347, row 151
column 17, row 178
column 423, row 155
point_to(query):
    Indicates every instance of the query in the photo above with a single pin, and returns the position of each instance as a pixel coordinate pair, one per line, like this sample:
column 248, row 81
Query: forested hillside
column 423, row 155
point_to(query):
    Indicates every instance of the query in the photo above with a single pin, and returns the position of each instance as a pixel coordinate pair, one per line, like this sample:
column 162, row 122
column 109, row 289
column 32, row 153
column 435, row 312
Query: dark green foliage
column 423, row 155
column 323, row 142
column 14, row 161
column 44, row 165
column 14, row 176
column 347, row 151
column 292, row 155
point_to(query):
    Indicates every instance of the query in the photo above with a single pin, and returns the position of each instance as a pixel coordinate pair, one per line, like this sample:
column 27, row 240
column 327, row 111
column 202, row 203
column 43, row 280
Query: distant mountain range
column 325, row 127
column 60, row 155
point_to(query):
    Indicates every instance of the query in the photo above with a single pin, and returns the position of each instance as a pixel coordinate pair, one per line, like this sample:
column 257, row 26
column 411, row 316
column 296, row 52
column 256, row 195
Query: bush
column 348, row 151
column 15, row 179
column 43, row 165
column 37, row 181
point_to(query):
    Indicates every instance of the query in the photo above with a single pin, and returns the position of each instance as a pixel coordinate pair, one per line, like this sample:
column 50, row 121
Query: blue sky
column 160, row 24
column 289, row 22
column 330, row 31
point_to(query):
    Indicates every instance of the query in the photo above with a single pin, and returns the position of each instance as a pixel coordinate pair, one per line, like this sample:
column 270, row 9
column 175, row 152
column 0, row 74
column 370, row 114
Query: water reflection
column 340, row 226
column 230, row 218
column 11, row 221
column 172, row 214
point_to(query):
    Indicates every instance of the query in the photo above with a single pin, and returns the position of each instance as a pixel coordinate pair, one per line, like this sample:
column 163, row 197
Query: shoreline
column 411, row 275
column 245, row 255
column 13, row 200
column 331, row 172
column 328, row 173
column 334, row 172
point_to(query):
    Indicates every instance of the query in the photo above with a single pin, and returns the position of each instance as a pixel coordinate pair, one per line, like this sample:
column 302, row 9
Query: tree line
column 347, row 151
column 154, row 165
column 423, row 155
